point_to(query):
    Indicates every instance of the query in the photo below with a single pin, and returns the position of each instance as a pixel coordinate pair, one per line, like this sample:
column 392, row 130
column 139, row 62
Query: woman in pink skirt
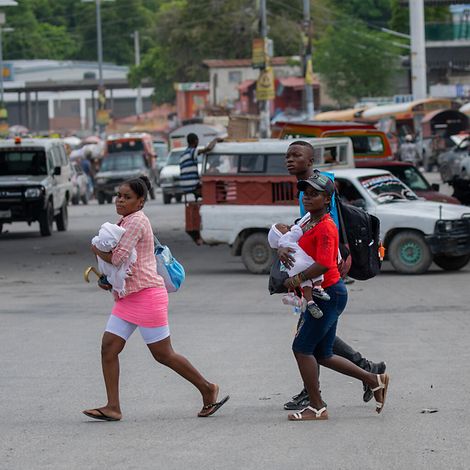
column 144, row 305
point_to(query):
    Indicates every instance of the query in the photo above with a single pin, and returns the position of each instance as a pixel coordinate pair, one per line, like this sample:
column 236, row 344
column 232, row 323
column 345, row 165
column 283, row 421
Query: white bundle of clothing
column 108, row 237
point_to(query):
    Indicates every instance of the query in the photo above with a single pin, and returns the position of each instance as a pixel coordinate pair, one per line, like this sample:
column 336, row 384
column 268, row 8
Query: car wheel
column 1, row 228
column 62, row 220
column 166, row 198
column 109, row 199
column 451, row 263
column 46, row 219
column 152, row 192
column 84, row 198
column 178, row 197
column 101, row 198
column 75, row 200
column 257, row 255
column 409, row 253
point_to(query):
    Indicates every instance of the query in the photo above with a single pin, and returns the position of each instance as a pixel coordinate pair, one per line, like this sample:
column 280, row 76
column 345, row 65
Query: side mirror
column 57, row 171
column 435, row 187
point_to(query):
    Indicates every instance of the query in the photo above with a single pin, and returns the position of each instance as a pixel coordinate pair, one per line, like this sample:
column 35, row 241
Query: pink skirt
column 148, row 307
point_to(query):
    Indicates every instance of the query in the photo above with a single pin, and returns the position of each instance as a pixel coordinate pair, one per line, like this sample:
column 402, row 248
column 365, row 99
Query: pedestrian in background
column 190, row 181
column 409, row 151
column 144, row 305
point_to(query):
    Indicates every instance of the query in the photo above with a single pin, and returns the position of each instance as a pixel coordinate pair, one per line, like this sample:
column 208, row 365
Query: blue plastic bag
column 168, row 267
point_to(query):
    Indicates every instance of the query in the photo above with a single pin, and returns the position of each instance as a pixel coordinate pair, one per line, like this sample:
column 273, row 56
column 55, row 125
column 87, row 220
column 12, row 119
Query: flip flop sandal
column 318, row 415
column 101, row 416
column 214, row 406
column 383, row 384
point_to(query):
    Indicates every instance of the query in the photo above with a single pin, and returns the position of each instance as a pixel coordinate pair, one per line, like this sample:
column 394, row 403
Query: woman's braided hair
column 140, row 186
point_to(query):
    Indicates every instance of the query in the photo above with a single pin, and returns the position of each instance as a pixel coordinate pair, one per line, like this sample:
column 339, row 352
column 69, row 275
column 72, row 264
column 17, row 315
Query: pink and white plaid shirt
column 138, row 235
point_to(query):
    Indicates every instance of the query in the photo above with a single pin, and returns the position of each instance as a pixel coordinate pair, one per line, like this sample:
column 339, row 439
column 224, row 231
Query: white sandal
column 320, row 414
column 383, row 384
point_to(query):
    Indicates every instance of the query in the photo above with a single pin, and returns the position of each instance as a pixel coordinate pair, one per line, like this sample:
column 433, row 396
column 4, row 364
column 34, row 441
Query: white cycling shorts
column 124, row 330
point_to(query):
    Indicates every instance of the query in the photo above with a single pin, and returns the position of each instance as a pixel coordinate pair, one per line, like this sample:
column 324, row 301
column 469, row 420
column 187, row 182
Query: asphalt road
column 237, row 335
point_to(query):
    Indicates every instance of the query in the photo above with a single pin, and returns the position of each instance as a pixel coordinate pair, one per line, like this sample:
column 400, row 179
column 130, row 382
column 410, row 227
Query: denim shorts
column 316, row 336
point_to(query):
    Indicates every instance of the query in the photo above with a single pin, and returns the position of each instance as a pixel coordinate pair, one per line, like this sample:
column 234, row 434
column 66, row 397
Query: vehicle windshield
column 174, row 157
column 161, row 150
column 411, row 176
column 123, row 162
column 386, row 188
column 128, row 145
column 23, row 162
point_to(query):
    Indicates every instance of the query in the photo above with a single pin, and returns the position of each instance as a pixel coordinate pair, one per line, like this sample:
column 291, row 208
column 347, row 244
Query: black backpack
column 360, row 239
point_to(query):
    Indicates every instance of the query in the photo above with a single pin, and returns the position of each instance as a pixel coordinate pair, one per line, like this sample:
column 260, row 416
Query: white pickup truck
column 415, row 232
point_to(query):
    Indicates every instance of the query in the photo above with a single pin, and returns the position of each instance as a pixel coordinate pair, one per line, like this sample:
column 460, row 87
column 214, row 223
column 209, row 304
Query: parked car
column 117, row 168
column 411, row 176
column 35, row 183
column 80, row 188
column 170, row 175
column 415, row 232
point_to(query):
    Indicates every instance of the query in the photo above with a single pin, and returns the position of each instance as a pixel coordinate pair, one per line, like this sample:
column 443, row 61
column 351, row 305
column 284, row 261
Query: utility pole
column 418, row 49
column 138, row 103
column 308, row 62
column 265, row 119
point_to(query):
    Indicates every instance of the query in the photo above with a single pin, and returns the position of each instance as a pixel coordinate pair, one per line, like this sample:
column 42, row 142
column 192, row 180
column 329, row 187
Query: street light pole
column 308, row 62
column 99, row 38
column 138, row 103
column 418, row 49
column 265, row 119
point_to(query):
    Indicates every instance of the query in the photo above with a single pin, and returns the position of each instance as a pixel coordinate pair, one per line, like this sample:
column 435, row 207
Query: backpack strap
column 341, row 220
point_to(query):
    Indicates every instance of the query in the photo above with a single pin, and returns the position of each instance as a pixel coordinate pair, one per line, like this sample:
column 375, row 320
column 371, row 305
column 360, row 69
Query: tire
column 152, row 192
column 257, row 255
column 1, row 228
column 166, row 198
column 101, row 198
column 178, row 197
column 409, row 253
column 62, row 219
column 46, row 219
column 84, row 198
column 109, row 199
column 451, row 263
column 75, row 200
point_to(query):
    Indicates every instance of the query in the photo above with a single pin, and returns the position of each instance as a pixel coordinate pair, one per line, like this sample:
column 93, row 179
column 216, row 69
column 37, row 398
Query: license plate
column 5, row 214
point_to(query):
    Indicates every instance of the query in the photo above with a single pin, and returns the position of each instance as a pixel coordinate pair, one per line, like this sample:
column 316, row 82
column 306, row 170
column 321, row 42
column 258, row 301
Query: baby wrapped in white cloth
column 108, row 237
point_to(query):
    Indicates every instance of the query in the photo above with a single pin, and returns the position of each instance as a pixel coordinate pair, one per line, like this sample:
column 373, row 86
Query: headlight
column 100, row 180
column 33, row 192
column 444, row 226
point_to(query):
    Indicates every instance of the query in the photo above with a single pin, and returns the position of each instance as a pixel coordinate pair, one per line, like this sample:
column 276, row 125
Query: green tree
column 376, row 11
column 355, row 62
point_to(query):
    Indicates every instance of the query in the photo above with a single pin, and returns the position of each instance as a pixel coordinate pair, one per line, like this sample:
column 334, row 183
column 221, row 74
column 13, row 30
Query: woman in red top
column 313, row 343
column 144, row 305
